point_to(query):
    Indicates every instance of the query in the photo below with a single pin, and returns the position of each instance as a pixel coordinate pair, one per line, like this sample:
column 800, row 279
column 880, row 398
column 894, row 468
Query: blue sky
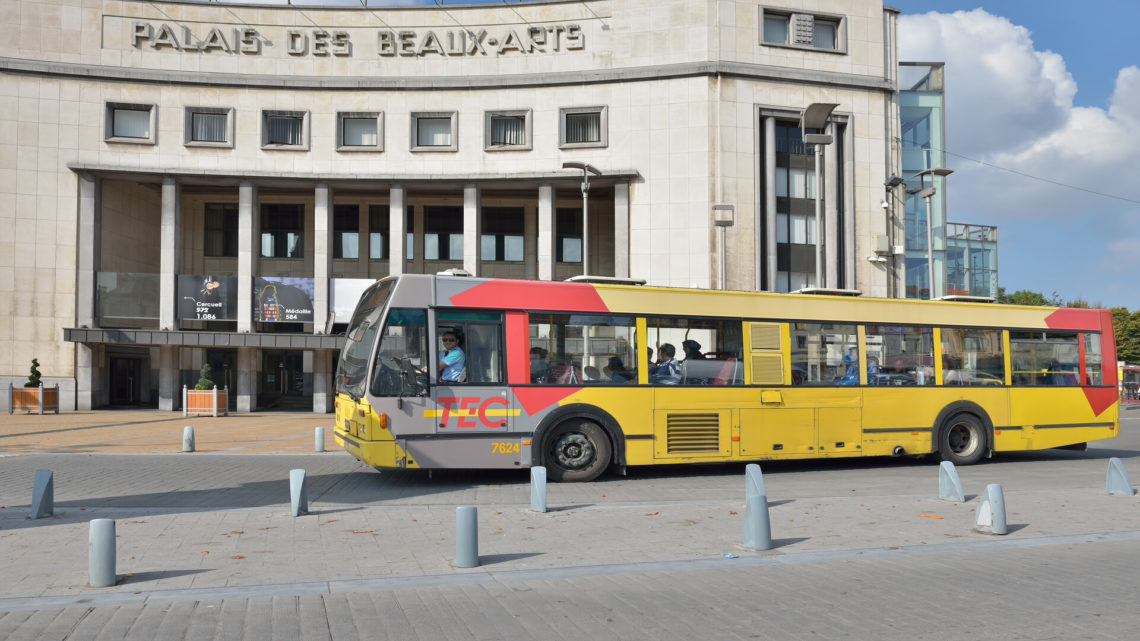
column 1041, row 93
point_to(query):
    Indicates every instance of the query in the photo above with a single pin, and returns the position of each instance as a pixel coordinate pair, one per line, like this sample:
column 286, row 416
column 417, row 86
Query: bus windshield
column 352, row 372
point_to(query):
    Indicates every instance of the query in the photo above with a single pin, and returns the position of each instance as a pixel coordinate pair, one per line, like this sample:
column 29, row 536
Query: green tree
column 206, row 378
column 1025, row 297
column 34, row 375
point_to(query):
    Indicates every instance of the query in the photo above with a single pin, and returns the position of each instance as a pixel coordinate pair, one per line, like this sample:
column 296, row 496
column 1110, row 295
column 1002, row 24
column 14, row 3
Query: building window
column 221, row 237
column 358, row 131
column 507, row 130
column 209, row 127
column 346, row 231
column 503, row 230
column 568, row 232
column 434, row 131
column 803, row 30
column 583, row 127
column 285, row 130
column 443, row 232
column 281, row 231
column 130, row 123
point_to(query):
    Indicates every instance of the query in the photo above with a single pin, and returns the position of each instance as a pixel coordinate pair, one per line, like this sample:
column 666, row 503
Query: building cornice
column 435, row 83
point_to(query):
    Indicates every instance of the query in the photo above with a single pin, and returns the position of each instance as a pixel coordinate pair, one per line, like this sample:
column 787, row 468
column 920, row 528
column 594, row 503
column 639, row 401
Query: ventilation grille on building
column 693, row 433
column 803, row 24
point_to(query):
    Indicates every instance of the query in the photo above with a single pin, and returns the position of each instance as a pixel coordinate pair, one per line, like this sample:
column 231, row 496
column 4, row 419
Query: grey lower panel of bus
column 506, row 451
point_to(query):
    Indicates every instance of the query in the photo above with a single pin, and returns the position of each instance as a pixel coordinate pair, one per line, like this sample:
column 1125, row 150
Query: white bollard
column 319, row 439
column 990, row 517
column 538, row 488
column 757, row 530
column 43, row 495
column 101, row 553
column 466, row 537
column 298, row 493
column 1116, row 481
column 188, row 439
column 949, row 485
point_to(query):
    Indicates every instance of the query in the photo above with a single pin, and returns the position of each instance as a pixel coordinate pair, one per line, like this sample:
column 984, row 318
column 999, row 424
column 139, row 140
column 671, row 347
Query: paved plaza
column 206, row 548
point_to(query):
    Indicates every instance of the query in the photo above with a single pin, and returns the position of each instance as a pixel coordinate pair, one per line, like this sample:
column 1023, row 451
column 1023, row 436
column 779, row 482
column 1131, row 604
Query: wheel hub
column 574, row 451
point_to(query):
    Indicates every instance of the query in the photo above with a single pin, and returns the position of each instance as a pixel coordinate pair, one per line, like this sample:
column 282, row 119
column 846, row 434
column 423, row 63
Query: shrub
column 34, row 375
column 206, row 379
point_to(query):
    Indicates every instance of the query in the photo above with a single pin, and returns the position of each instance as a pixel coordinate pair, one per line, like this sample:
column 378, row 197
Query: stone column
column 472, row 229
column 546, row 232
column 322, row 256
column 170, row 249
column 397, row 228
column 249, row 222
column 766, row 233
column 831, row 211
column 169, row 391
column 87, row 357
column 246, row 378
column 621, row 229
column 323, row 393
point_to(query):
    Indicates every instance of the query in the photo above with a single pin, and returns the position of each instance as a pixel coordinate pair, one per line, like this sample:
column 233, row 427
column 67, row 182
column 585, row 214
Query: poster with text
column 207, row 297
column 283, row 300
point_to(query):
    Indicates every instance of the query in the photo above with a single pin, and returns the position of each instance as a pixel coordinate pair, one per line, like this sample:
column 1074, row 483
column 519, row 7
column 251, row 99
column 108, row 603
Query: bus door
column 473, row 409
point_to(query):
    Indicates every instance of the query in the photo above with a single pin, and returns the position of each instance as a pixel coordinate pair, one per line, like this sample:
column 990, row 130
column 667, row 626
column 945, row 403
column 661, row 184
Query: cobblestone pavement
column 206, row 549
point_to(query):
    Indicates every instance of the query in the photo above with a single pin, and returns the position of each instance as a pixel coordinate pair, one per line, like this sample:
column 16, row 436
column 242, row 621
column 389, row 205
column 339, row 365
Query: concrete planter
column 214, row 402
column 33, row 399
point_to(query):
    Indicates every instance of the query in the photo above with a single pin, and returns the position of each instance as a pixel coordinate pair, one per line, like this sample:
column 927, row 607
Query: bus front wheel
column 576, row 450
column 962, row 440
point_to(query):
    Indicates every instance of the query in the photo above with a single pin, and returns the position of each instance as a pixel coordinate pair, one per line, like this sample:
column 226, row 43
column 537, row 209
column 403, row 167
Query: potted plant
column 205, row 398
column 33, row 396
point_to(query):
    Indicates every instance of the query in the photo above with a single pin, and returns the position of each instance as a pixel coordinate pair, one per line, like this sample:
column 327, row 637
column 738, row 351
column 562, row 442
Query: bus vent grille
column 765, row 336
column 767, row 369
column 693, row 433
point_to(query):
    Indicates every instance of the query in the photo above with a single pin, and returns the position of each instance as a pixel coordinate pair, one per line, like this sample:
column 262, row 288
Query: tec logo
column 466, row 409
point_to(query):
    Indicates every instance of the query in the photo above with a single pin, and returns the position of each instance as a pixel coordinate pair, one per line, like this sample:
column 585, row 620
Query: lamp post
column 587, row 169
column 724, row 216
column 927, row 194
column 815, row 117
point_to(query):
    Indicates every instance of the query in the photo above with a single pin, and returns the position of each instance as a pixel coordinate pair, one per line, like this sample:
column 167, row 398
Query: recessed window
column 507, row 130
column 443, row 232
column 130, row 123
column 568, row 233
column 285, row 130
column 434, row 131
column 282, row 233
column 503, row 230
column 583, row 127
column 346, row 231
column 209, row 127
column 803, row 30
column 221, row 233
column 357, row 131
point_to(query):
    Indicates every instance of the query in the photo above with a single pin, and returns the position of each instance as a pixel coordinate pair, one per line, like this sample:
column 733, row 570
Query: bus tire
column 962, row 439
column 576, row 450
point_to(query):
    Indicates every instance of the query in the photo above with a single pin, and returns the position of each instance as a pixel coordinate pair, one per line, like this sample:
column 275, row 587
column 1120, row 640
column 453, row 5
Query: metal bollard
column 319, row 439
column 990, row 518
column 43, row 495
column 949, row 485
column 188, row 439
column 757, row 531
column 101, row 553
column 298, row 493
column 538, row 488
column 466, row 537
column 1115, row 482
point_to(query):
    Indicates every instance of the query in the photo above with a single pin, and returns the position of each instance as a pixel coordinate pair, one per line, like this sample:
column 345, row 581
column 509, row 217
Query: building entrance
column 125, row 381
column 282, row 384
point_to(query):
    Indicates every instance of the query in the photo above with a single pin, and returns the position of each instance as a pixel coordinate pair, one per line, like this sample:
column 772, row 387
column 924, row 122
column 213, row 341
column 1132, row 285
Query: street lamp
column 587, row 169
column 927, row 194
column 815, row 117
column 723, row 216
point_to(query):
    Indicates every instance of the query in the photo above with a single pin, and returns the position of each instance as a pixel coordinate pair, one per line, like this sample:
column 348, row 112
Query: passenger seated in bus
column 616, row 371
column 668, row 368
column 539, row 366
column 872, row 370
column 692, row 350
column 452, row 360
column 952, row 371
column 650, row 361
column 851, row 376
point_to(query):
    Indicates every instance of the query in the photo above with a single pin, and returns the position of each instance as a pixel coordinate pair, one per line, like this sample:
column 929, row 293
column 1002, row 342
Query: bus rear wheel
column 962, row 440
column 576, row 450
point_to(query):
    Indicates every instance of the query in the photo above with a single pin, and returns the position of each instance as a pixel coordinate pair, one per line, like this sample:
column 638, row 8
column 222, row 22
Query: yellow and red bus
column 567, row 375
